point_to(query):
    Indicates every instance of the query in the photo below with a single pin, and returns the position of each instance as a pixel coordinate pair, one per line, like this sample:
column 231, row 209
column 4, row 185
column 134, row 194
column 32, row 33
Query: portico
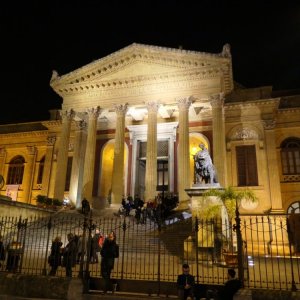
column 141, row 97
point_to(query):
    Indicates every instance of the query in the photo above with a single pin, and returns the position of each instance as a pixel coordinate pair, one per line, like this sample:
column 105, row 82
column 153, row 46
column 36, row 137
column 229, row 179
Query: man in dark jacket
column 185, row 283
column 69, row 254
column 109, row 251
column 231, row 286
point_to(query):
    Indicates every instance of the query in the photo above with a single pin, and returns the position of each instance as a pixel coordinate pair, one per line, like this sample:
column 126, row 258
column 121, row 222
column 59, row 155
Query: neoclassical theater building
column 131, row 123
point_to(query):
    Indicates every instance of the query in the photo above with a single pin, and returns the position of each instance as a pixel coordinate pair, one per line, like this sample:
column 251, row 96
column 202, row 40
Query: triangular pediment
column 139, row 60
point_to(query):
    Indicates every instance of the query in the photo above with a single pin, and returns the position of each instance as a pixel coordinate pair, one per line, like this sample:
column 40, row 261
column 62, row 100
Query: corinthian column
column 183, row 174
column 117, row 187
column 62, row 156
column 29, row 171
column 48, row 165
column 219, row 146
column 89, row 160
column 274, row 180
column 77, row 164
column 151, row 155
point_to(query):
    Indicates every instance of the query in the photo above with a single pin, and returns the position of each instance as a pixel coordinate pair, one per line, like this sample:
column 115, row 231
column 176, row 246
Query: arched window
column 15, row 170
column 290, row 156
column 294, row 208
column 41, row 171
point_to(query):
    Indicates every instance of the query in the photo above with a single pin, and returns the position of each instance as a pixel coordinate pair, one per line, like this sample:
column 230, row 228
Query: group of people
column 68, row 256
column 187, row 287
column 156, row 210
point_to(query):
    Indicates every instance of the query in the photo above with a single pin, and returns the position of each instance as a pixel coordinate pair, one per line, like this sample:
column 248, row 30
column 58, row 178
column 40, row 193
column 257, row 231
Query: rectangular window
column 246, row 166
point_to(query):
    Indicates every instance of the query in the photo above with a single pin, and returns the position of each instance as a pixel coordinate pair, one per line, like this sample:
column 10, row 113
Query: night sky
column 40, row 36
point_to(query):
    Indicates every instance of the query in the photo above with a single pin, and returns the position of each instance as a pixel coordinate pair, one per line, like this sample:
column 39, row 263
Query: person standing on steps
column 70, row 254
column 109, row 251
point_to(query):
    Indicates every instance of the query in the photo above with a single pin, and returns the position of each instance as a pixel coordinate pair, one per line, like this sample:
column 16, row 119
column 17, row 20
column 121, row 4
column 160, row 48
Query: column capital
column 184, row 103
column 2, row 151
column 67, row 115
column 80, row 125
column 31, row 150
column 120, row 109
column 93, row 112
column 269, row 124
column 152, row 106
column 217, row 100
column 51, row 140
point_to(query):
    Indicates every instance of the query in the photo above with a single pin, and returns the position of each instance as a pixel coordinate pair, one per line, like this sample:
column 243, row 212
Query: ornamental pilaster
column 77, row 163
column 2, row 160
column 272, row 163
column 48, row 165
column 183, row 149
column 28, row 173
column 89, row 159
column 118, row 164
column 62, row 156
column 219, row 145
column 151, row 155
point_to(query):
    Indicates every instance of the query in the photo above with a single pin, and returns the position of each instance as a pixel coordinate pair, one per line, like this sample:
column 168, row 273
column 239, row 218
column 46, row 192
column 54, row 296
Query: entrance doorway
column 162, row 176
column 162, row 167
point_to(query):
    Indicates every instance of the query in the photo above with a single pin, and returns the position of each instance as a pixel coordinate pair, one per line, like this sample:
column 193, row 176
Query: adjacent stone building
column 131, row 122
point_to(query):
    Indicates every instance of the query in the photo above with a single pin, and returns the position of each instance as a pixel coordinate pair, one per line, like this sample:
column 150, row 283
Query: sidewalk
column 95, row 296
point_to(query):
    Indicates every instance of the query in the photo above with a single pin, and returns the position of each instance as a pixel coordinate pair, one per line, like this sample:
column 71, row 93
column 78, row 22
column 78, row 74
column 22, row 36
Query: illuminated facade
column 131, row 122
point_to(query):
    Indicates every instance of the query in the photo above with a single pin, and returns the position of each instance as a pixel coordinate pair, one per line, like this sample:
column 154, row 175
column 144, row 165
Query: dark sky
column 39, row 36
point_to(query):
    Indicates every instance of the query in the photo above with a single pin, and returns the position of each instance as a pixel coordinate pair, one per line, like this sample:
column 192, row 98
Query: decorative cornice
column 244, row 133
column 252, row 103
column 289, row 111
column 166, row 80
column 51, row 140
column 269, row 124
column 24, row 134
column 108, row 64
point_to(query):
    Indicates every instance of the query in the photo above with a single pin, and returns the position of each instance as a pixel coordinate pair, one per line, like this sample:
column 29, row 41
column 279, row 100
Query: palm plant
column 231, row 199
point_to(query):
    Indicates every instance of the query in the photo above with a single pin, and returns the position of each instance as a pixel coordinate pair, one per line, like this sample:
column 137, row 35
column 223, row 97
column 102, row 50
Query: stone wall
column 33, row 286
column 9, row 208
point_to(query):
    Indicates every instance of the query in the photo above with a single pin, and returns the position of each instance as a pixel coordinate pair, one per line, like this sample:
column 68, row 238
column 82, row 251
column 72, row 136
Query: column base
column 274, row 211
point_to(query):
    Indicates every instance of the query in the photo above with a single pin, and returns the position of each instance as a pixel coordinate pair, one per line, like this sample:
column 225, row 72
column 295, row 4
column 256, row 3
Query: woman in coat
column 109, row 251
column 54, row 259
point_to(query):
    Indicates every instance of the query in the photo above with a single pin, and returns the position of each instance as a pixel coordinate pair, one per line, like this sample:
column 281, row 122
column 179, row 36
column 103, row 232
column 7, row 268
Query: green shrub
column 57, row 202
column 48, row 201
column 41, row 199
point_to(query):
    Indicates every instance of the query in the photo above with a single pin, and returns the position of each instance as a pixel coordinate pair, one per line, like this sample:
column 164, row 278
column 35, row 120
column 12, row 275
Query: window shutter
column 246, row 166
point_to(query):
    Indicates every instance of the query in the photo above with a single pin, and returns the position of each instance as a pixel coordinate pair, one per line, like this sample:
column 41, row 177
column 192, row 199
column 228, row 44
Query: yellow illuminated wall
column 107, row 160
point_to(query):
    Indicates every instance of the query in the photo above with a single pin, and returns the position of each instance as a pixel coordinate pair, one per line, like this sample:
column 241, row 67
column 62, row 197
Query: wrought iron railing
column 155, row 251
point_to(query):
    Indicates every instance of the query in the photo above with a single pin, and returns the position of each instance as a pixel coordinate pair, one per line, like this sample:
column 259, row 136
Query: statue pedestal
column 208, row 230
column 198, row 203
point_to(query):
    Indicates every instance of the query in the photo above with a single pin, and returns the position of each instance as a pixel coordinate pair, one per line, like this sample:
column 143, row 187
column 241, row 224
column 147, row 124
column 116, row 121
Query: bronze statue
column 205, row 170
